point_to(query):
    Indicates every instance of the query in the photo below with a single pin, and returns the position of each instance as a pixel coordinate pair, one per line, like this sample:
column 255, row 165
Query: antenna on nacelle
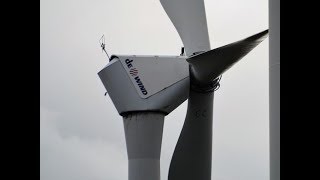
column 103, row 45
column 182, row 51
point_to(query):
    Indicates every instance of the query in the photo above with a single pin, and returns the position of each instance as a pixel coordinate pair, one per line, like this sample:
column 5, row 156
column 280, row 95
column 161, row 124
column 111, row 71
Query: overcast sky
column 82, row 135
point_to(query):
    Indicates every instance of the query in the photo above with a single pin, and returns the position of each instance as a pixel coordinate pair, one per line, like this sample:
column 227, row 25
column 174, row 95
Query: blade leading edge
column 189, row 19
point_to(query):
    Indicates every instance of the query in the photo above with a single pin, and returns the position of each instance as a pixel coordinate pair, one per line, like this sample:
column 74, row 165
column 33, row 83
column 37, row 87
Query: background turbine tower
column 274, row 88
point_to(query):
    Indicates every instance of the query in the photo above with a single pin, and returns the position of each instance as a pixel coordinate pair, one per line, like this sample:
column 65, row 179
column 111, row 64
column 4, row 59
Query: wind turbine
column 193, row 152
column 146, row 88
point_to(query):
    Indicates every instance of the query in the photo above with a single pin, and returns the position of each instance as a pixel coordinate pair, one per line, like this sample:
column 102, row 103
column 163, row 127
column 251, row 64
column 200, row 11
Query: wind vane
column 103, row 45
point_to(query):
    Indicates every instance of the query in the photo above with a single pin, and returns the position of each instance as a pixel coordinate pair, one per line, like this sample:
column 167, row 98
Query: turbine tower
column 144, row 89
column 274, row 88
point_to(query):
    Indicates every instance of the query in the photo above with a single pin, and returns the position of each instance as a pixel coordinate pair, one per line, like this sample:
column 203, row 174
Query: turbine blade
column 207, row 66
column 192, row 155
column 189, row 19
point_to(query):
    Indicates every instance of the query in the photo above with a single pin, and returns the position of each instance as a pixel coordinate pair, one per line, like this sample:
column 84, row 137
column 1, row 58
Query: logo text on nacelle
column 134, row 72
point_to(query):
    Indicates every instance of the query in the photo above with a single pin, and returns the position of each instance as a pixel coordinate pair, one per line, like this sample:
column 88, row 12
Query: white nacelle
column 146, row 83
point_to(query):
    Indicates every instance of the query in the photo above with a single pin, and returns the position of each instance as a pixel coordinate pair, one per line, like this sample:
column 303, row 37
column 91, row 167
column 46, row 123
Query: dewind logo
column 134, row 73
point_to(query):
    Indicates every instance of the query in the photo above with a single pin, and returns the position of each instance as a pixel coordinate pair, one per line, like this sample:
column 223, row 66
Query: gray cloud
column 72, row 157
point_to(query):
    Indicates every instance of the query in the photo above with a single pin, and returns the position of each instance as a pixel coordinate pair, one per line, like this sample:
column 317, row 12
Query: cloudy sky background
column 81, row 133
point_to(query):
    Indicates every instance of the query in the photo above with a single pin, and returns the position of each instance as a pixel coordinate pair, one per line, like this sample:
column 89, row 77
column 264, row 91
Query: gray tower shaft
column 274, row 88
column 143, row 132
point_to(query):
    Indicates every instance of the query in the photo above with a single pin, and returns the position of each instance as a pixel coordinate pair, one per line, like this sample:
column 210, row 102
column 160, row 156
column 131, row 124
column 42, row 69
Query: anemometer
column 103, row 45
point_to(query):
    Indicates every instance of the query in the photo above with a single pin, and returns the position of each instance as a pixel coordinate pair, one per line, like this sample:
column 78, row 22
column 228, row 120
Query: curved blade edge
column 189, row 19
column 207, row 66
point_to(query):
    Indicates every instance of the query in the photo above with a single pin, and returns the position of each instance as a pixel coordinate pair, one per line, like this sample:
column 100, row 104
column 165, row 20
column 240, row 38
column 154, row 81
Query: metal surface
column 189, row 18
column 193, row 153
column 125, row 97
column 211, row 64
column 143, row 132
column 152, row 74
column 274, row 88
